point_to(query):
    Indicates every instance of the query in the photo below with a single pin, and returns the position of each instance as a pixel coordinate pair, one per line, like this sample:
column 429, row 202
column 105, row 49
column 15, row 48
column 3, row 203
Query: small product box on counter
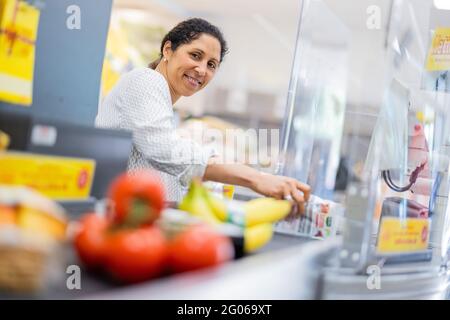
column 320, row 219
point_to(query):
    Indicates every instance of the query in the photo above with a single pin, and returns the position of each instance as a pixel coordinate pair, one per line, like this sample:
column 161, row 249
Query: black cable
column 387, row 178
column 401, row 189
column 388, row 181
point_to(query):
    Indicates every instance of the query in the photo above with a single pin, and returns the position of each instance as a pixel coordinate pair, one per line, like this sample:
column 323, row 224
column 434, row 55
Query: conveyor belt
column 98, row 286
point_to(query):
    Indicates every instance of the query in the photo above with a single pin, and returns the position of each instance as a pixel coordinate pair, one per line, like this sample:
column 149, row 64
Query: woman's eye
column 212, row 66
column 195, row 55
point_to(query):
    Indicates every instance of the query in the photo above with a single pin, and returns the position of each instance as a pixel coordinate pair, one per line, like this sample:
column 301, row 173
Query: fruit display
column 198, row 247
column 196, row 203
column 256, row 217
column 126, row 254
column 138, row 197
column 134, row 242
column 90, row 240
column 32, row 232
column 136, row 255
column 257, row 236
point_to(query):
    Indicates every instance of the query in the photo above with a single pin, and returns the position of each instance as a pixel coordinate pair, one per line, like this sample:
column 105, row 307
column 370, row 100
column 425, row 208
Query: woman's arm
column 266, row 184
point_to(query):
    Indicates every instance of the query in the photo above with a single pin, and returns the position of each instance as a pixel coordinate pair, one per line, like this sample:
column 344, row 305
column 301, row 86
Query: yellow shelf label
column 439, row 54
column 58, row 178
column 19, row 22
column 403, row 235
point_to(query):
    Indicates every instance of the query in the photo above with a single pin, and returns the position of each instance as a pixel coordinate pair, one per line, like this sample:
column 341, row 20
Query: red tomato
column 138, row 198
column 136, row 255
column 199, row 247
column 90, row 240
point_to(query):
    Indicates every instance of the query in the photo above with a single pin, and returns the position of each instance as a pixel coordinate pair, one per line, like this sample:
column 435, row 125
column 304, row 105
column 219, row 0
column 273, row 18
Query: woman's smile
column 192, row 81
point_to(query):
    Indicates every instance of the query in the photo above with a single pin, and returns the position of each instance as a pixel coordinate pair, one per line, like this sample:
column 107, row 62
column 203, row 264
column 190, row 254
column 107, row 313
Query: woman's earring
column 165, row 59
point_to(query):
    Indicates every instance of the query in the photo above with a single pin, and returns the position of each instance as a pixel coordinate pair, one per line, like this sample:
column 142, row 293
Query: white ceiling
column 262, row 34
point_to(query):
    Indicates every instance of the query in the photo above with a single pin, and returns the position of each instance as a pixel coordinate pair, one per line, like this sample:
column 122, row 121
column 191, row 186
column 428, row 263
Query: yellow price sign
column 439, row 54
column 59, row 178
column 403, row 235
column 19, row 22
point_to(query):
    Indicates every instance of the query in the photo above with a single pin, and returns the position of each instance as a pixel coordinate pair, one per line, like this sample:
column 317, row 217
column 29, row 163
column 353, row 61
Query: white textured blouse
column 140, row 102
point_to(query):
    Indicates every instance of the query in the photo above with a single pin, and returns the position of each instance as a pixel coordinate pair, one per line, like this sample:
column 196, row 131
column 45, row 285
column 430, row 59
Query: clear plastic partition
column 367, row 127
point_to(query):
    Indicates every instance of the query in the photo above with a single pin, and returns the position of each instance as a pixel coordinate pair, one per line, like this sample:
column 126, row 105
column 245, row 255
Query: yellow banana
column 253, row 212
column 256, row 215
column 197, row 205
column 262, row 210
column 218, row 206
column 257, row 236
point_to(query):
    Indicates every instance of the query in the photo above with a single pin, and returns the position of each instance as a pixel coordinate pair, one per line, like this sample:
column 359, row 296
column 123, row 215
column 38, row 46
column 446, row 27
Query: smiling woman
column 194, row 65
column 195, row 49
column 142, row 102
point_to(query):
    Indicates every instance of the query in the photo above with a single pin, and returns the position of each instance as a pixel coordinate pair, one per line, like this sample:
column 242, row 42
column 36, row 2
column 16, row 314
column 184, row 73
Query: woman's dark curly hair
column 187, row 31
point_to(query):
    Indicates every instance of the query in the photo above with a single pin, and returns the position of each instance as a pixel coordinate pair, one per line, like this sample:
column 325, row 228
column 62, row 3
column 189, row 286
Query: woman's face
column 191, row 66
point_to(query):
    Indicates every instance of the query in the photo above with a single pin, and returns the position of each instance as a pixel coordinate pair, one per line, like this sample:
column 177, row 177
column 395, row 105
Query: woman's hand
column 281, row 187
column 269, row 185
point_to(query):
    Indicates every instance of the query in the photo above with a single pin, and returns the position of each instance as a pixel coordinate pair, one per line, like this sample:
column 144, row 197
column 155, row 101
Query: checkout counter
column 245, row 278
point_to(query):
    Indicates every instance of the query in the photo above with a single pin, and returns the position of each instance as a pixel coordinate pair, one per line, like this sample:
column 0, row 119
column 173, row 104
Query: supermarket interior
column 195, row 149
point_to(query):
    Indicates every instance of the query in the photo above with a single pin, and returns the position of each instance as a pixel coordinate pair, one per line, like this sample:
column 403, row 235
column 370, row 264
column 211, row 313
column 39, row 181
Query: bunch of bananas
column 256, row 217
